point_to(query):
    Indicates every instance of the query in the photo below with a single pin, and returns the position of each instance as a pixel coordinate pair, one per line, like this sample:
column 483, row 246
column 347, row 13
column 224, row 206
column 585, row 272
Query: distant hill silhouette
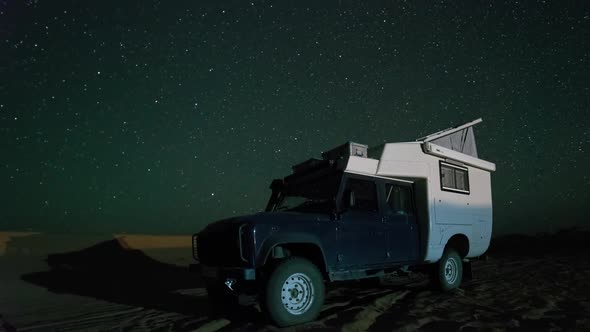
column 571, row 241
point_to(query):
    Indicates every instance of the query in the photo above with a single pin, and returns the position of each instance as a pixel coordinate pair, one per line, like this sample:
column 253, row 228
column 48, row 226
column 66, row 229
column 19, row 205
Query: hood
column 278, row 217
column 223, row 224
column 268, row 218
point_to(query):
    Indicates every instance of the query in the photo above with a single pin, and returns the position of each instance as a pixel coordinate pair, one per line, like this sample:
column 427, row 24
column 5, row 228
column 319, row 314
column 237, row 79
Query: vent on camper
column 346, row 150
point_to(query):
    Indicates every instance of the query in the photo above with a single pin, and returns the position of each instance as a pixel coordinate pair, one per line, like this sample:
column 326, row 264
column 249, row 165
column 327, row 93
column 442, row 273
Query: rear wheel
column 449, row 270
column 294, row 292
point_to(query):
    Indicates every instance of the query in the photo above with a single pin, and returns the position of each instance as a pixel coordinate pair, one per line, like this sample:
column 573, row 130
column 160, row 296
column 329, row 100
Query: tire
column 449, row 270
column 294, row 292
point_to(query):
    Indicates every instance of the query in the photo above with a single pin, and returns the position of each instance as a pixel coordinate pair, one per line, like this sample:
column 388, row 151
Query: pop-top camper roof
column 456, row 143
column 460, row 139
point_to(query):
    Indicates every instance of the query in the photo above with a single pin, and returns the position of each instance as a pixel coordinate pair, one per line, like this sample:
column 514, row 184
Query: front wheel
column 294, row 292
column 449, row 270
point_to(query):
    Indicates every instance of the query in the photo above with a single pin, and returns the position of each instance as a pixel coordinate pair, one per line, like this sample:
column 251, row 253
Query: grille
column 219, row 247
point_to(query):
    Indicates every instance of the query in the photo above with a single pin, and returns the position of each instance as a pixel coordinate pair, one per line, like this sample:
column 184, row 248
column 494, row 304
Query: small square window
column 447, row 175
column 461, row 179
column 454, row 178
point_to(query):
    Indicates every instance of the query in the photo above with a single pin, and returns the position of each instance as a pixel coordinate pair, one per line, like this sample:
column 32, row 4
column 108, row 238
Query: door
column 401, row 223
column 361, row 236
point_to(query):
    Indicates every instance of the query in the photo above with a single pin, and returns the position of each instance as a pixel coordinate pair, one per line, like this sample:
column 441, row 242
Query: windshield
column 304, row 204
column 314, row 194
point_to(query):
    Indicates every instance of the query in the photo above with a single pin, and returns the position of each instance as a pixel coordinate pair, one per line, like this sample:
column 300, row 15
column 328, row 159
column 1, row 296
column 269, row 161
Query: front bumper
column 223, row 273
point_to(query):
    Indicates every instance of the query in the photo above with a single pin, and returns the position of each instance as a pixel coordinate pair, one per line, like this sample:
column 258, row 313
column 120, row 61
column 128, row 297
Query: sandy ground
column 141, row 283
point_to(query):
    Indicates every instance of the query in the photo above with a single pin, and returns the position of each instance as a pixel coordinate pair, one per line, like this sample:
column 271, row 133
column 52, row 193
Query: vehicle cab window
column 399, row 199
column 360, row 195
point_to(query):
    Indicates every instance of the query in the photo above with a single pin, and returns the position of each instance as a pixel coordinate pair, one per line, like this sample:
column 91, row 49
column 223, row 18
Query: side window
column 360, row 195
column 454, row 178
column 399, row 199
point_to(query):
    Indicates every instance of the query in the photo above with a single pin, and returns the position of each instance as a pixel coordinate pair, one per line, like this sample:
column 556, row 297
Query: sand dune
column 35, row 242
column 141, row 241
column 5, row 237
column 112, row 285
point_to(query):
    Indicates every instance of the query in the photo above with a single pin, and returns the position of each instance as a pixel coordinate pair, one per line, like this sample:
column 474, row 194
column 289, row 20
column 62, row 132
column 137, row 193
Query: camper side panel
column 459, row 212
column 446, row 211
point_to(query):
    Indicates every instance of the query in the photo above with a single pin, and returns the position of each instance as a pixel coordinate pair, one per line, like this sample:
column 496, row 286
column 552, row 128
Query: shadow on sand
column 111, row 272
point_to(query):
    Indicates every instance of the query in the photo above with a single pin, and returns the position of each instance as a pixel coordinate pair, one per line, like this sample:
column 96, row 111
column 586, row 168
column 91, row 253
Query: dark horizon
column 142, row 117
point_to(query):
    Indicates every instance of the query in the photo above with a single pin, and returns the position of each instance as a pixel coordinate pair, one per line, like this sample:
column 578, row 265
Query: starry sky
column 160, row 117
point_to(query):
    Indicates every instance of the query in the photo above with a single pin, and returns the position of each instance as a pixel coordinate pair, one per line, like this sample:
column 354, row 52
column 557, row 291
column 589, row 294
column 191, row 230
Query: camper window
column 454, row 178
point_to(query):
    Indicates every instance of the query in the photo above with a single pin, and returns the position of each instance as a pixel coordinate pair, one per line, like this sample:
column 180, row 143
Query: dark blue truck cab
column 321, row 224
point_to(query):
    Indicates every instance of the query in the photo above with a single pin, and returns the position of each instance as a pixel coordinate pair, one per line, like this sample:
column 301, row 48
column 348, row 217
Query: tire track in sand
column 364, row 319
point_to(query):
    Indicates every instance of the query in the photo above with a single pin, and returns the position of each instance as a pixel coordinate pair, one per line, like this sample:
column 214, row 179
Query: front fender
column 286, row 238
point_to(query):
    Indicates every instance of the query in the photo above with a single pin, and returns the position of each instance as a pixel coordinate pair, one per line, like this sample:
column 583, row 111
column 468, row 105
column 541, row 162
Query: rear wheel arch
column 460, row 243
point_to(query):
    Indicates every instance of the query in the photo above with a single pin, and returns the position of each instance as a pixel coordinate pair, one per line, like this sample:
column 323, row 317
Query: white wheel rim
column 451, row 270
column 297, row 294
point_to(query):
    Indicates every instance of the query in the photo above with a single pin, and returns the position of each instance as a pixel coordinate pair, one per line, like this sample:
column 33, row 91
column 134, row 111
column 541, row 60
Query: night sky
column 160, row 117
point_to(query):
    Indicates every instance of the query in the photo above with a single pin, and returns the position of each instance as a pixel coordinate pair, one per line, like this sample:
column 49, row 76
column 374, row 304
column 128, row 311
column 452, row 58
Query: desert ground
column 52, row 282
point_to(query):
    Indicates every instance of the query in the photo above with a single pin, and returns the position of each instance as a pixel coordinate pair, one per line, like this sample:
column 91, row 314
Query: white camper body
column 452, row 186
